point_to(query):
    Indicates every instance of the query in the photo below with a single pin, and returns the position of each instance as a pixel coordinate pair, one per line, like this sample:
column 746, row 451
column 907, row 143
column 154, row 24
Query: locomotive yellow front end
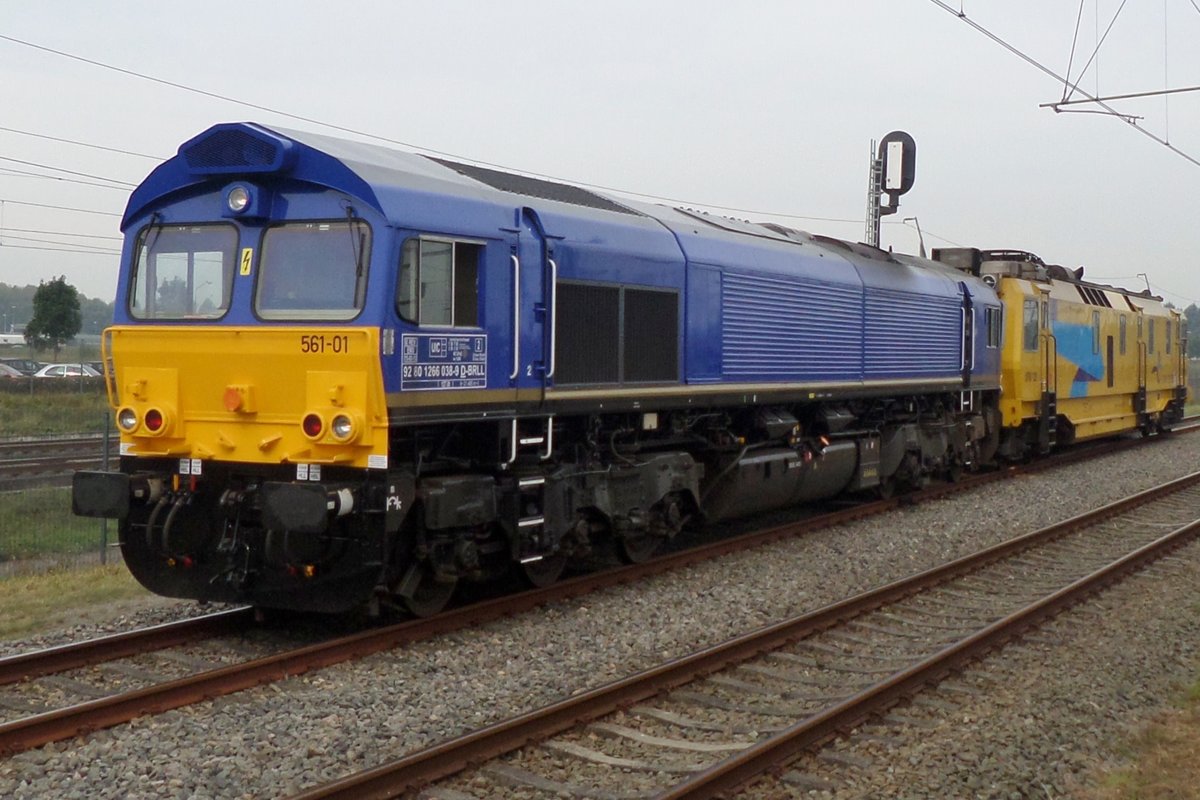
column 280, row 396
column 246, row 378
column 252, row 460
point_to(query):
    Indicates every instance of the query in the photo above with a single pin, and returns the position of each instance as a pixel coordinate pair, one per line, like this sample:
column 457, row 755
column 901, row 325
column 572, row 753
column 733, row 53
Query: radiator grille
column 588, row 334
column 651, row 336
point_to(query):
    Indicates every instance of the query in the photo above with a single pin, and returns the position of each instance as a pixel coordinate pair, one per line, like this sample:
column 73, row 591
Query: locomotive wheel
column 543, row 572
column 430, row 595
column 637, row 548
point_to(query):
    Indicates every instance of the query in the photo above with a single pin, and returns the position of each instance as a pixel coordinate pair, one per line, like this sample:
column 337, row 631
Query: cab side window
column 1031, row 325
column 438, row 283
column 992, row 321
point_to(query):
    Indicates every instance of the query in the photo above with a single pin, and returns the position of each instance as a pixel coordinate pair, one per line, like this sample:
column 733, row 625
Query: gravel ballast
column 1042, row 718
column 275, row 740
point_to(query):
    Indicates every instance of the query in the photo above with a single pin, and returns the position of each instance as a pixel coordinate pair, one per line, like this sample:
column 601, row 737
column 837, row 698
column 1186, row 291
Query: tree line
column 51, row 313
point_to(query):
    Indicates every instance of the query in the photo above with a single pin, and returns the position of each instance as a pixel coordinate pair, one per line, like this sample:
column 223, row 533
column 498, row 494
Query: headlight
column 127, row 419
column 343, row 427
column 238, row 199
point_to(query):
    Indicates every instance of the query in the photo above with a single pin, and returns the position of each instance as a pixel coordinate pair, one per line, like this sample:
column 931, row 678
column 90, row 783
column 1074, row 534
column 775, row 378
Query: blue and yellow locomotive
column 348, row 375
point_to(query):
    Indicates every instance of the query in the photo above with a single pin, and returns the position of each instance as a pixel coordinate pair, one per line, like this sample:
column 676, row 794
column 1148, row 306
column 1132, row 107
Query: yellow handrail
column 110, row 377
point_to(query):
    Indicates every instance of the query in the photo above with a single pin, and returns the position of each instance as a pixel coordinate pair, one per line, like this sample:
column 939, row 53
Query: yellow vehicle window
column 1031, row 325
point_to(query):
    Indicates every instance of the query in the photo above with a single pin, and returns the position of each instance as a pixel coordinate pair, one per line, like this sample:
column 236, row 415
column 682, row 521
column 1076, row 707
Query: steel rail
column 69, row 440
column 37, row 463
column 50, row 660
column 423, row 767
column 34, row 731
column 752, row 763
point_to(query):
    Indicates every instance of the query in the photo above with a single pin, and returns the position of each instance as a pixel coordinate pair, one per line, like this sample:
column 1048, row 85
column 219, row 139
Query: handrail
column 1052, row 362
column 965, row 359
column 553, row 316
column 516, row 262
column 110, row 377
column 549, row 451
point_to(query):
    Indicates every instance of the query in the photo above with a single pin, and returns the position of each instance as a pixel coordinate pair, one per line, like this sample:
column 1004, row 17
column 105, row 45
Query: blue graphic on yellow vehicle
column 1077, row 347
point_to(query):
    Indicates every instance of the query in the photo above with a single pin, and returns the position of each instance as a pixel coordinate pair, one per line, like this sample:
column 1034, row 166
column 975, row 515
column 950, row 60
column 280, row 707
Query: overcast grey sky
column 764, row 106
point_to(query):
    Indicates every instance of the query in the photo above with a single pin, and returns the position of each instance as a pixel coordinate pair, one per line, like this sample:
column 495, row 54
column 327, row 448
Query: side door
column 1031, row 359
column 1049, row 348
column 534, row 312
column 968, row 334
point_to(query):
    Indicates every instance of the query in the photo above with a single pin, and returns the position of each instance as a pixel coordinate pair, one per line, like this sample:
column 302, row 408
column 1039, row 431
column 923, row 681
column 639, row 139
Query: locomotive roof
column 371, row 172
column 386, row 179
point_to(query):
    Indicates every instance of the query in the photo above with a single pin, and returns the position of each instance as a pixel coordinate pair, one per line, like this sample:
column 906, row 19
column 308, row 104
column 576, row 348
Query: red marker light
column 154, row 420
column 312, row 426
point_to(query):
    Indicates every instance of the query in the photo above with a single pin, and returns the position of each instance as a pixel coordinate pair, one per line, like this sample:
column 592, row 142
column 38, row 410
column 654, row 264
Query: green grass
column 46, row 407
column 58, row 599
column 38, row 523
column 1163, row 758
column 53, row 412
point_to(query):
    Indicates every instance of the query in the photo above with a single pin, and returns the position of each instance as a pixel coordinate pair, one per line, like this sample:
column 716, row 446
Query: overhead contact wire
column 1058, row 79
column 126, row 184
column 1066, row 95
column 59, row 208
column 77, row 143
column 410, row 145
column 1096, row 52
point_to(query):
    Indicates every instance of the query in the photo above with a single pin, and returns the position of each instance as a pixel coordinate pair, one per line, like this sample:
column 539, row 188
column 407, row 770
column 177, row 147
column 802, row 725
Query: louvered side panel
column 789, row 330
column 912, row 335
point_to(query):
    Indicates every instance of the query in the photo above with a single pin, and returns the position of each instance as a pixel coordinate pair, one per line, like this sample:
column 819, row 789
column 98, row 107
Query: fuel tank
column 762, row 480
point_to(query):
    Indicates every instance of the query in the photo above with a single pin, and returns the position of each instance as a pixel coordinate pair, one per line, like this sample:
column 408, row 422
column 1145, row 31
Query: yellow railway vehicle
column 1079, row 360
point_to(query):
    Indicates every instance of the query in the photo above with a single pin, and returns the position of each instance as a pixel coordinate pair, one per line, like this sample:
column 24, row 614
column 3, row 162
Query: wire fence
column 38, row 533
column 48, row 428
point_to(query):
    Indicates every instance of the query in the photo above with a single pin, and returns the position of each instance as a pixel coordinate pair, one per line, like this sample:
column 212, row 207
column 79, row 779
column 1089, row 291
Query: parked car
column 26, row 366
column 8, row 372
column 66, row 371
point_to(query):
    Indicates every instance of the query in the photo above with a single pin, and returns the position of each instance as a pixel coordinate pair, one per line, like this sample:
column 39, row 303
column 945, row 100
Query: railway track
column 53, row 660
column 117, row 706
column 29, row 463
column 38, row 682
column 719, row 719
